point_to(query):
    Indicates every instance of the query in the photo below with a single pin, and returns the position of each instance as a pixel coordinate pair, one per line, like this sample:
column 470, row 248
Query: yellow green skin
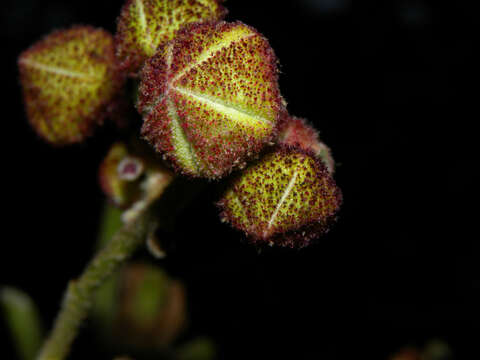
column 210, row 98
column 68, row 80
column 287, row 198
column 144, row 25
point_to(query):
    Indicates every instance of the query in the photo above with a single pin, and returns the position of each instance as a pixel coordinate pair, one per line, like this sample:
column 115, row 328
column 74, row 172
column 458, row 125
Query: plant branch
column 80, row 293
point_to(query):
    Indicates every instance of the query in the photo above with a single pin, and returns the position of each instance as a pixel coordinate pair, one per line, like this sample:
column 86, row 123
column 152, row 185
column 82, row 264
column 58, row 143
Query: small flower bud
column 69, row 79
column 298, row 132
column 132, row 177
column 122, row 192
column 287, row 198
column 201, row 348
column 434, row 350
column 407, row 354
column 437, row 349
column 210, row 98
column 130, row 168
column 152, row 306
column 143, row 306
column 145, row 24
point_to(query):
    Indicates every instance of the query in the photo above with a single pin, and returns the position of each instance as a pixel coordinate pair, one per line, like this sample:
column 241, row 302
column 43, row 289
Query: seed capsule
column 287, row 198
column 145, row 24
column 210, row 98
column 298, row 132
column 68, row 79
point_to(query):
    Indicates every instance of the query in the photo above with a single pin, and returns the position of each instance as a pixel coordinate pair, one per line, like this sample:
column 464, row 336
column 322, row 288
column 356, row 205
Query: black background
column 391, row 85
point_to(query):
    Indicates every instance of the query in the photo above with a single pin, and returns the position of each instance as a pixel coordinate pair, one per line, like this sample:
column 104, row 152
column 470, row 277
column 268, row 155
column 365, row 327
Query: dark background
column 393, row 88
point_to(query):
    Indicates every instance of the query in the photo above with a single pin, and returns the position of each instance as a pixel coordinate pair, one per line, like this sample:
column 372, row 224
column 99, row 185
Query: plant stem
column 80, row 293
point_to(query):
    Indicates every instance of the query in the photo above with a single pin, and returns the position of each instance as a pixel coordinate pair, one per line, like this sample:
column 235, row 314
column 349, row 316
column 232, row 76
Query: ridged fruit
column 144, row 25
column 68, row 79
column 287, row 198
column 210, row 98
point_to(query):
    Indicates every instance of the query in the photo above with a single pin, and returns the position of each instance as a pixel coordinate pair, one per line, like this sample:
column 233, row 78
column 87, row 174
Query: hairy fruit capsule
column 144, row 25
column 287, row 198
column 210, row 98
column 298, row 132
column 69, row 79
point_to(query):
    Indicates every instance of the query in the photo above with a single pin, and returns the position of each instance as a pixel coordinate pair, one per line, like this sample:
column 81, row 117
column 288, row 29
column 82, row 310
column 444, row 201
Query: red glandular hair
column 298, row 132
column 210, row 98
column 144, row 25
column 69, row 79
column 286, row 198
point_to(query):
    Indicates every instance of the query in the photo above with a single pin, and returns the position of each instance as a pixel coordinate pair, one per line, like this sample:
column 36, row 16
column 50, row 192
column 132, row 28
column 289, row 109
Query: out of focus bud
column 143, row 25
column 132, row 177
column 407, row 354
column 198, row 349
column 437, row 350
column 433, row 350
column 69, row 79
column 149, row 308
column 287, row 198
column 153, row 306
column 297, row 132
column 210, row 98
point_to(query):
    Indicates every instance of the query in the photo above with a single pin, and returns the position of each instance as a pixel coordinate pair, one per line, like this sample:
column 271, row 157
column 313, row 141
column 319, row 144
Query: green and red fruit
column 69, row 79
column 144, row 25
column 210, row 98
column 287, row 198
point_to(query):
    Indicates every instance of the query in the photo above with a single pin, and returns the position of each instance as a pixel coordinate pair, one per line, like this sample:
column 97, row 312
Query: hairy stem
column 80, row 293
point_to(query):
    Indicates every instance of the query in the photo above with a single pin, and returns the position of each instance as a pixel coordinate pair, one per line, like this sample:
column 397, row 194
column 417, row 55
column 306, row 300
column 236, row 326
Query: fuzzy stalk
column 80, row 293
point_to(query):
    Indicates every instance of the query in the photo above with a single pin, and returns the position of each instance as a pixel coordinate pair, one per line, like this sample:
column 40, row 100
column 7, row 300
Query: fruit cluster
column 211, row 105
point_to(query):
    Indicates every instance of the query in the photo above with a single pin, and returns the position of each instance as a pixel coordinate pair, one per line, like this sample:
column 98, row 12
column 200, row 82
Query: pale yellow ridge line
column 143, row 22
column 212, row 50
column 180, row 139
column 222, row 107
column 176, row 127
column 285, row 194
column 57, row 70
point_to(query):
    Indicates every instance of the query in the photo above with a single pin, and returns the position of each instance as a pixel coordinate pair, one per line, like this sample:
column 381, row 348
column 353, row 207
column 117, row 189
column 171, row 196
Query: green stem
column 80, row 293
